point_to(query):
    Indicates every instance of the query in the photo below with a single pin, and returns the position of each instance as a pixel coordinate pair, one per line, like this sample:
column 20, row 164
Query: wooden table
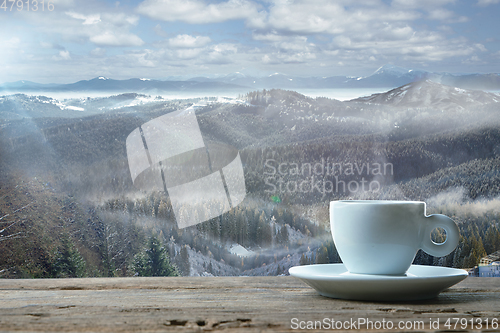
column 250, row 304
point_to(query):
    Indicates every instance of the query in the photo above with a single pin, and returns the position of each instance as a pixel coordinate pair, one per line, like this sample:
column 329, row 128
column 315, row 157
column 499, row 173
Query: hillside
column 40, row 218
column 431, row 94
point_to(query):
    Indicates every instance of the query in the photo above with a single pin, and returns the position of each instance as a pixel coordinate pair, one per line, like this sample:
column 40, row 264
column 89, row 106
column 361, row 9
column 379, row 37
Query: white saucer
column 420, row 282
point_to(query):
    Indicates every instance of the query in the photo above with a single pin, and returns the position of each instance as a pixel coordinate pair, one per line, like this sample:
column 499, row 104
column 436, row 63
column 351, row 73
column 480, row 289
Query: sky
column 72, row 40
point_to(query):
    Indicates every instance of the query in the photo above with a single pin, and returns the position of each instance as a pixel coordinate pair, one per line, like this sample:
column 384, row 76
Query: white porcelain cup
column 383, row 237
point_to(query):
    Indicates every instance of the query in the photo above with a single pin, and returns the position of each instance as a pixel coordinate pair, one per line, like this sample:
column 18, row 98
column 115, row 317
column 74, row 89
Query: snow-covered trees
column 154, row 261
column 67, row 261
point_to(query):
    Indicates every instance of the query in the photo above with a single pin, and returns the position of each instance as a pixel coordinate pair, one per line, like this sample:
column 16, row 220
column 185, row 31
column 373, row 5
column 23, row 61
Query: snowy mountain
column 102, row 83
column 387, row 76
column 392, row 70
column 21, row 106
column 390, row 75
column 431, row 94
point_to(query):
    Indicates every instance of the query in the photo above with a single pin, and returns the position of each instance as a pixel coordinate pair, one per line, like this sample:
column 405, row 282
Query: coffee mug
column 382, row 237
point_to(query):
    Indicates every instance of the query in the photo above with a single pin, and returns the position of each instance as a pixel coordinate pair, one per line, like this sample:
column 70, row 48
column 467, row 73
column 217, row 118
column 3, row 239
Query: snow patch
column 240, row 251
column 74, row 108
column 63, row 106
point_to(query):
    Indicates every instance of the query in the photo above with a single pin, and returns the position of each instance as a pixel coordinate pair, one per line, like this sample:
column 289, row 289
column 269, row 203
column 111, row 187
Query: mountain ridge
column 428, row 93
column 387, row 76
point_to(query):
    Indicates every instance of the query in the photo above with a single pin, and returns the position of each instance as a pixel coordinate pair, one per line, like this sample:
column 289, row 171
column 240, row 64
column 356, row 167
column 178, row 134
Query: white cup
column 383, row 237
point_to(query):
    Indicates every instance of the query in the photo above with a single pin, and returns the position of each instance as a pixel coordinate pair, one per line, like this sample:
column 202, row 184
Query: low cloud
column 454, row 201
column 196, row 11
column 98, row 52
column 63, row 55
column 87, row 19
column 484, row 3
column 106, row 29
column 421, row 3
column 187, row 41
column 111, row 38
column 54, row 46
column 58, row 4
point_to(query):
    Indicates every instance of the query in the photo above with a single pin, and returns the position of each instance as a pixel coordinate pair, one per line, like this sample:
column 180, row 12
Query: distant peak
column 236, row 75
column 392, row 69
column 102, row 78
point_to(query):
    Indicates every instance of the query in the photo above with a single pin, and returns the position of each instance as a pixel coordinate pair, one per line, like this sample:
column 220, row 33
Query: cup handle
column 452, row 235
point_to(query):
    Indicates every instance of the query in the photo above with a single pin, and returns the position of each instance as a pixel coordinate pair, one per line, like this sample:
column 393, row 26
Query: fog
column 341, row 94
column 454, row 201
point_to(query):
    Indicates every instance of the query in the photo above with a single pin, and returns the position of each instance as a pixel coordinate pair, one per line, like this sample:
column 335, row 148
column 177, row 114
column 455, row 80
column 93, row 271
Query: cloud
column 87, row 19
column 455, row 201
column 272, row 36
column 10, row 52
column 221, row 53
column 186, row 54
column 446, row 15
column 111, row 38
column 120, row 19
column 440, row 14
column 98, row 52
column 62, row 3
column 104, row 29
column 54, row 46
column 288, row 49
column 359, row 31
column 63, row 55
column 193, row 58
column 9, row 46
column 480, row 47
column 187, row 41
column 425, row 4
column 321, row 16
column 414, row 46
column 159, row 31
column 292, row 36
column 197, row 11
column 484, row 3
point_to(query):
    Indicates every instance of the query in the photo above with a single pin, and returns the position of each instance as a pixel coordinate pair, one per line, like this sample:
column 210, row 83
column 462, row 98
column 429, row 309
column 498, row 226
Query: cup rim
column 378, row 202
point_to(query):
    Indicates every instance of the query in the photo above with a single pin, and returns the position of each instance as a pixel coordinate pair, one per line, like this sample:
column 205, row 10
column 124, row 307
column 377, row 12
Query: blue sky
column 187, row 38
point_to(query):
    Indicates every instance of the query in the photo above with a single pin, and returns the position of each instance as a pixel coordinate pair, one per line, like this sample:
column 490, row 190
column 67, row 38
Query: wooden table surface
column 251, row 304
